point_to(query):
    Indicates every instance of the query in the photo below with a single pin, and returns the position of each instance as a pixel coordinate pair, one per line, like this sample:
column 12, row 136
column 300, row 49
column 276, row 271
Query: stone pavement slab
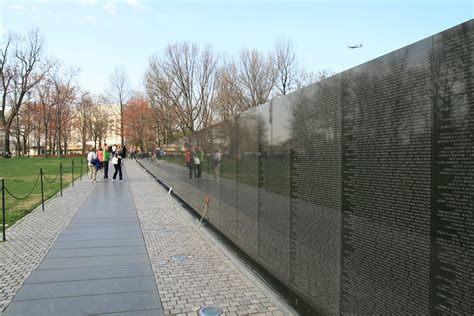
column 30, row 238
column 117, row 252
column 88, row 304
column 209, row 275
column 89, row 273
column 97, row 265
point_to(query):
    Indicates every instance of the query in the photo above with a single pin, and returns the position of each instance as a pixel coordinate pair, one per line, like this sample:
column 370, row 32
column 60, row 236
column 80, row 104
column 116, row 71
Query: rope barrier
column 28, row 195
column 57, row 175
column 65, row 171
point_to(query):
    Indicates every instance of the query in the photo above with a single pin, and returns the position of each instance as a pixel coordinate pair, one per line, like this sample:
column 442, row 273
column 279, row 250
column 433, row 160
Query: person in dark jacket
column 117, row 162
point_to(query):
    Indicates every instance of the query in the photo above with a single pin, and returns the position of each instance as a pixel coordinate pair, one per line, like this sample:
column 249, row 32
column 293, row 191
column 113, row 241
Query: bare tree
column 20, row 71
column 257, row 76
column 26, row 120
column 229, row 99
column 286, row 67
column 183, row 81
column 64, row 94
column 46, row 103
column 119, row 91
column 98, row 124
column 84, row 110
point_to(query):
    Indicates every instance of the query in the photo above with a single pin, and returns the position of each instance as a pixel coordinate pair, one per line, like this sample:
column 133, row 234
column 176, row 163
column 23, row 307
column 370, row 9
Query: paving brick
column 29, row 240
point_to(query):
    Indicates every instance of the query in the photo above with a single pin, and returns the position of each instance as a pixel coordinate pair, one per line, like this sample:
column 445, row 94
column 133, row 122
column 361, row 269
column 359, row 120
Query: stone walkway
column 209, row 275
column 97, row 265
column 29, row 240
column 117, row 254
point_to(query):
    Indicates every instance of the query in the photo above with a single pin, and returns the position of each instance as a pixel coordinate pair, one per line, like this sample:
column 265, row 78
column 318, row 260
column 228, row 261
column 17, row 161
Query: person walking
column 216, row 163
column 106, row 161
column 200, row 155
column 91, row 162
column 195, row 162
column 187, row 158
column 100, row 157
column 117, row 162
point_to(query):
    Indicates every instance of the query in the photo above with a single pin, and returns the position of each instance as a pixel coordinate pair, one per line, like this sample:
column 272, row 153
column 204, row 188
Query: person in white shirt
column 216, row 163
column 92, row 159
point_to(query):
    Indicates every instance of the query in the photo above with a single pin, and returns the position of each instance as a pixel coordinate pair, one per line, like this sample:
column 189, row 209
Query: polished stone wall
column 355, row 192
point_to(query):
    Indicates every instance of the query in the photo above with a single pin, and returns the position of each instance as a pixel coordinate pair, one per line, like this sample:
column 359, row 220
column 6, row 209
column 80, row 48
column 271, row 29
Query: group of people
column 194, row 160
column 99, row 160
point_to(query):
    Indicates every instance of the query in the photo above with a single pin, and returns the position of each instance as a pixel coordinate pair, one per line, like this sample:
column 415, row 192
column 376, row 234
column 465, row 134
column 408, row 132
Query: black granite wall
column 356, row 192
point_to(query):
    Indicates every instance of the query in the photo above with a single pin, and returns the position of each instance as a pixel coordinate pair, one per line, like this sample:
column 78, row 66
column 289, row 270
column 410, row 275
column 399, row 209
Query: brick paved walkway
column 29, row 239
column 210, row 275
column 109, row 260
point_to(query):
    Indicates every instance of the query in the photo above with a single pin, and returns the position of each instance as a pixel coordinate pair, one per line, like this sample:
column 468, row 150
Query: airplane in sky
column 355, row 46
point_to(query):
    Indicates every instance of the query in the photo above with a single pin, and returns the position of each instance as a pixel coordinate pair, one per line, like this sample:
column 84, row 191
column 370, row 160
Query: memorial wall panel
column 228, row 183
column 215, row 136
column 386, row 183
column 452, row 269
column 355, row 192
column 316, row 193
column 247, row 181
column 274, row 186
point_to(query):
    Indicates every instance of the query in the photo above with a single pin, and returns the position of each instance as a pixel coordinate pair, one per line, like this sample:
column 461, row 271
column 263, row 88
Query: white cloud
column 134, row 3
column 87, row 2
column 90, row 20
column 111, row 8
column 17, row 7
column 2, row 30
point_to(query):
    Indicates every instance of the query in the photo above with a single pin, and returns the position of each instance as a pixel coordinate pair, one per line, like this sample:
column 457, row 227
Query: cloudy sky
column 96, row 36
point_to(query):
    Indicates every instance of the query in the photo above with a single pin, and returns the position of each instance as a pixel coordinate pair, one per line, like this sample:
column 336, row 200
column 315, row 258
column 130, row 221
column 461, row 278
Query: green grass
column 21, row 174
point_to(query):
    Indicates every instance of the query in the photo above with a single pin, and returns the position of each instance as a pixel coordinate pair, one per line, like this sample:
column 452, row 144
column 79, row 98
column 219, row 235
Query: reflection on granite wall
column 355, row 192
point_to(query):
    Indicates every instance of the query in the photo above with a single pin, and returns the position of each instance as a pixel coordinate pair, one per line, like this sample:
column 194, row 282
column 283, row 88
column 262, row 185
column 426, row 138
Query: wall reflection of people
column 216, row 163
column 195, row 163
column 187, row 158
column 200, row 156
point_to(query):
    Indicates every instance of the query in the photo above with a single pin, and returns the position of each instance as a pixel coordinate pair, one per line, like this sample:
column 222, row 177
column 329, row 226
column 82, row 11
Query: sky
column 97, row 36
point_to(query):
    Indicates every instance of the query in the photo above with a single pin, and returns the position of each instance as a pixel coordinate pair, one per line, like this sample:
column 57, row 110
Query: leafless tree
column 229, row 100
column 182, row 81
column 98, row 124
column 257, row 77
column 20, row 71
column 119, row 91
column 45, row 95
column 287, row 69
column 84, row 110
column 64, row 94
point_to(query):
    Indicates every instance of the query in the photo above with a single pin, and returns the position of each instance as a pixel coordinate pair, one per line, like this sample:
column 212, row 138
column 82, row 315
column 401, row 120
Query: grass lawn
column 21, row 175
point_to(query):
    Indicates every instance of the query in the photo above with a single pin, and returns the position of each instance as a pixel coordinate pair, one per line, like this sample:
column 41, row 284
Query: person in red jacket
column 187, row 158
column 100, row 157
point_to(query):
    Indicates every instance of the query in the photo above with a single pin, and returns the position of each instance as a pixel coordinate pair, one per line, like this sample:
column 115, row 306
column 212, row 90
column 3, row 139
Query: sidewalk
column 97, row 265
column 118, row 255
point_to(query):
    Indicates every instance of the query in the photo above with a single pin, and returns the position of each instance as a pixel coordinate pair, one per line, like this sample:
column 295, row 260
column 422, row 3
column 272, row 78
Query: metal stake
column 42, row 190
column 3, row 209
column 61, row 177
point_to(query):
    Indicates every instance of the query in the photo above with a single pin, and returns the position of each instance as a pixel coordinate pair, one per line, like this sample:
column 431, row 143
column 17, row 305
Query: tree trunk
column 18, row 143
column 6, row 141
column 25, row 138
column 59, row 142
column 45, row 142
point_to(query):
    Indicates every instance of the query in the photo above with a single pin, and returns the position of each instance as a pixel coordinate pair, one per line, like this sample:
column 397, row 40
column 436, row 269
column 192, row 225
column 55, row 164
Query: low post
column 61, row 177
column 42, row 189
column 72, row 167
column 3, row 209
column 81, row 168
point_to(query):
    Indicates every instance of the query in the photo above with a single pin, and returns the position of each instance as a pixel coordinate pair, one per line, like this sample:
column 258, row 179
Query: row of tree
column 190, row 88
column 186, row 88
column 42, row 106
